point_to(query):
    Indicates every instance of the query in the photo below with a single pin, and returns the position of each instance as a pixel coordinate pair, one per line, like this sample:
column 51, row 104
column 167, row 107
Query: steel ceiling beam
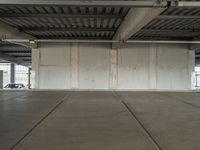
column 18, row 54
column 162, row 34
column 197, row 62
column 141, row 17
column 112, row 3
column 66, row 29
column 24, row 58
column 178, row 17
column 171, row 31
column 27, row 60
column 197, row 55
column 56, row 15
column 189, row 3
column 13, row 50
column 18, row 51
column 107, row 41
column 66, row 40
column 163, row 41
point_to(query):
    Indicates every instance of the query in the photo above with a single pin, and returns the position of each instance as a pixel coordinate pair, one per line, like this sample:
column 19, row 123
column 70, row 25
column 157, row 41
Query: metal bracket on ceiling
column 33, row 44
column 173, row 3
column 169, row 3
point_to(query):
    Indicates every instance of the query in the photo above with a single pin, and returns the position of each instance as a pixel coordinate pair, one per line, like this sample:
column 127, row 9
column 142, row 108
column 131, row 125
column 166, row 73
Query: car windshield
column 12, row 86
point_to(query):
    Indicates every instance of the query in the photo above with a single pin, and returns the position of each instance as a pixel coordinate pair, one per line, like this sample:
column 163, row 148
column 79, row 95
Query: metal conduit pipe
column 97, row 41
column 60, row 41
column 79, row 41
column 163, row 42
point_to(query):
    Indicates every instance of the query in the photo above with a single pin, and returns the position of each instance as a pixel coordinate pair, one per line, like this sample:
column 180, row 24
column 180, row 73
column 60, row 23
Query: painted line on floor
column 41, row 120
column 137, row 119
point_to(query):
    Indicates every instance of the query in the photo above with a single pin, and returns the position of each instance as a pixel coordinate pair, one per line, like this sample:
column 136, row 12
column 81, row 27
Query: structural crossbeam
column 136, row 3
column 66, row 29
column 57, row 15
column 178, row 17
column 171, row 31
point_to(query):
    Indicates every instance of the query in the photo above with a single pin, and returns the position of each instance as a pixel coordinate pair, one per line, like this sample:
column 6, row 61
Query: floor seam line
column 182, row 100
column 41, row 120
column 140, row 123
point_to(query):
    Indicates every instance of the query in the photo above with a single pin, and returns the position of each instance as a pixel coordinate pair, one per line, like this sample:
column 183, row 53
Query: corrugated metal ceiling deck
column 16, row 52
column 97, row 22
column 64, row 21
column 173, row 24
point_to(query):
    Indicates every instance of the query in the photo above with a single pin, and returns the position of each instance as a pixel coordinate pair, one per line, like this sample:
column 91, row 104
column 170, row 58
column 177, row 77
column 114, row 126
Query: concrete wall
column 96, row 66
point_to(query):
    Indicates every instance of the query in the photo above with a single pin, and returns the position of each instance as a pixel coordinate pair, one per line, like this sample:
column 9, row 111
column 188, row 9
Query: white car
column 14, row 86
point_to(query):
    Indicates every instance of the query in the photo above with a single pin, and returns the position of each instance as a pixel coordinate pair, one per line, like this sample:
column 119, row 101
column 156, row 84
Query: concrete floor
column 59, row 120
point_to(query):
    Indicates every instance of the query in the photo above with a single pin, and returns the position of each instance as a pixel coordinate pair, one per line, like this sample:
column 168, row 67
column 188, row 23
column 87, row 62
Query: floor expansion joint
column 41, row 120
column 137, row 119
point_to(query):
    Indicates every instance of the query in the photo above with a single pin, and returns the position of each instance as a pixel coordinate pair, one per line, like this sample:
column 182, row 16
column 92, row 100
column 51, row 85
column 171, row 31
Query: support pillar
column 36, row 68
column 12, row 73
column 29, row 78
column 1, row 79
column 191, row 69
column 152, row 66
column 113, row 68
column 74, row 65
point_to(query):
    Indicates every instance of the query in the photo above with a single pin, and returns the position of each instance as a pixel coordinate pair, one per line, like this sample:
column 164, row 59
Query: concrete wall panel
column 133, row 67
column 172, row 66
column 55, row 66
column 52, row 77
column 55, row 54
column 94, row 66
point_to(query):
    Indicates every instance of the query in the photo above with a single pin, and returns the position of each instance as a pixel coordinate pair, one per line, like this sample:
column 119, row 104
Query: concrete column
column 74, row 65
column 29, row 78
column 113, row 68
column 12, row 73
column 35, row 67
column 1, row 79
column 191, row 69
column 152, row 66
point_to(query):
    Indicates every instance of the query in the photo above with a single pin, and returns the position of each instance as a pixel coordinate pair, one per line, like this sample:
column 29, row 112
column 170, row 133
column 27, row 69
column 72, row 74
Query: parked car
column 14, row 86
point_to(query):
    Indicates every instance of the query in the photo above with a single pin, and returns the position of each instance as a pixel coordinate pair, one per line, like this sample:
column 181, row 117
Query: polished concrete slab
column 60, row 120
